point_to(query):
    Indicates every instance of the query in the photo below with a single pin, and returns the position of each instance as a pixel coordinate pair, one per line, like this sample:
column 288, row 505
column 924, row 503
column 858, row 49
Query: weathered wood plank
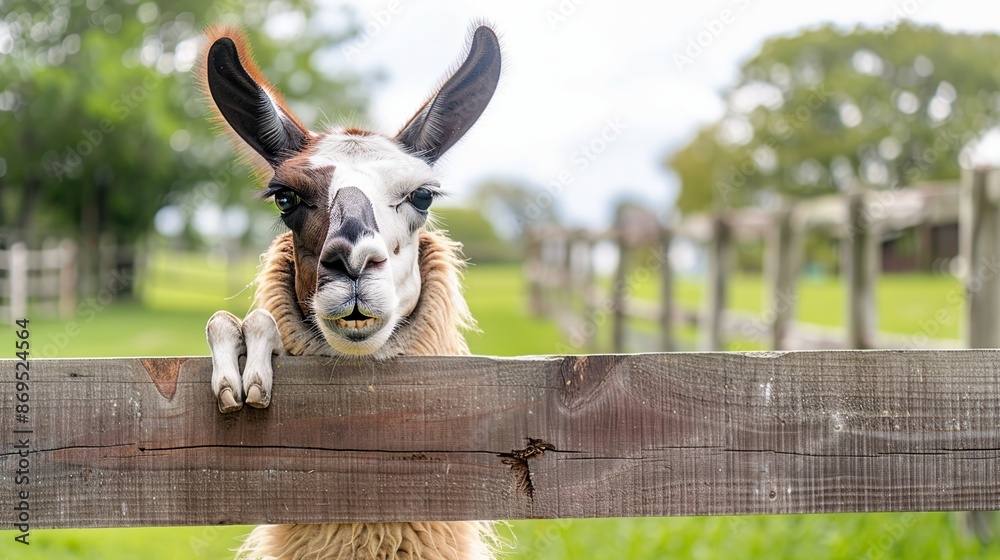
column 136, row 442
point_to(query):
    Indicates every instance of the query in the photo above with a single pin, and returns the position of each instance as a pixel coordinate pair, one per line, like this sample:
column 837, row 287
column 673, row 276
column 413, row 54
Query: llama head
column 354, row 200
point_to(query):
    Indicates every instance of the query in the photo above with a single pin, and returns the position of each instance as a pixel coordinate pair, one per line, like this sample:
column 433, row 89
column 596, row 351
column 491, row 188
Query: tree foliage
column 513, row 206
column 480, row 242
column 102, row 123
column 825, row 108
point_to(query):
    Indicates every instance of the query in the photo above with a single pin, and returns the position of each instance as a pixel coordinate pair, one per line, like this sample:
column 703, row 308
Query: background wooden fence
column 562, row 281
column 46, row 277
column 139, row 441
column 46, row 282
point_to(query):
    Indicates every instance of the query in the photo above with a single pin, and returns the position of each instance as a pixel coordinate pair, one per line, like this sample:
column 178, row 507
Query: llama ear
column 449, row 114
column 245, row 100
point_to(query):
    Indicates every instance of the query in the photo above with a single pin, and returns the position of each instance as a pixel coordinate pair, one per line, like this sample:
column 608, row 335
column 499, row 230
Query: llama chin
column 357, row 274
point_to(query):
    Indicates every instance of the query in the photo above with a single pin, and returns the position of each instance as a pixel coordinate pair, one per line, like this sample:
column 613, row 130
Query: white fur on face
column 389, row 291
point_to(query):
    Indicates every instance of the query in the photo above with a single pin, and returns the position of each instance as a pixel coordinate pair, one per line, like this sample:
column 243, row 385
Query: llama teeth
column 355, row 324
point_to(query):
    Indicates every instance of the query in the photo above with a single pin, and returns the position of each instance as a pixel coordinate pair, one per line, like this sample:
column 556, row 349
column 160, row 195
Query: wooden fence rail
column 46, row 277
column 857, row 220
column 138, row 441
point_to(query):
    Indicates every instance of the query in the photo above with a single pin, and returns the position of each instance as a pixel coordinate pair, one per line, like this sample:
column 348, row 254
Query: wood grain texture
column 448, row 438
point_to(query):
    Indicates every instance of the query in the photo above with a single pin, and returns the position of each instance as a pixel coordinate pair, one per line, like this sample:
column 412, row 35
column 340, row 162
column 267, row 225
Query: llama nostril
column 336, row 266
column 335, row 263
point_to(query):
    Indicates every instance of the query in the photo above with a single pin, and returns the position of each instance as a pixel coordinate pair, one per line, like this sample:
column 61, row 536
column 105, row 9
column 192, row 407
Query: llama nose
column 352, row 221
column 336, row 258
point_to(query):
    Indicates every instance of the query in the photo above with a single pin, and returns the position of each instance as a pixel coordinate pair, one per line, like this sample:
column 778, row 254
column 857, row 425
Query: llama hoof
column 227, row 401
column 257, row 398
column 225, row 340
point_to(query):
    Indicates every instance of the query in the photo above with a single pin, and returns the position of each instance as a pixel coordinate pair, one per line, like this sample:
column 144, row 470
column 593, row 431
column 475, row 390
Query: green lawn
column 169, row 321
column 913, row 304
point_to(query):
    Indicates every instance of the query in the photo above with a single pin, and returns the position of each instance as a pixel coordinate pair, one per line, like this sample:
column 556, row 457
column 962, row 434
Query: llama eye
column 421, row 199
column 286, row 200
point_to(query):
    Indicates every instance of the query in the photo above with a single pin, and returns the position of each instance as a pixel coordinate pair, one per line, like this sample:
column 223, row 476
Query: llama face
column 355, row 201
column 356, row 204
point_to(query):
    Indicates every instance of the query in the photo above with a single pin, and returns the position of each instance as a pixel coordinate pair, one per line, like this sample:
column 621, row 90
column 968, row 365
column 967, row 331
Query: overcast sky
column 577, row 71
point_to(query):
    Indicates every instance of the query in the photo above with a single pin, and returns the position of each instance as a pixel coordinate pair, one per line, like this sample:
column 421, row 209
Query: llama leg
column 225, row 339
column 262, row 340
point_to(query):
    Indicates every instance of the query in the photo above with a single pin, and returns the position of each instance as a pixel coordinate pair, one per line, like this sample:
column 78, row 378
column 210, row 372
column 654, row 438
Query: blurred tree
column 480, row 242
column 511, row 206
column 813, row 112
column 101, row 120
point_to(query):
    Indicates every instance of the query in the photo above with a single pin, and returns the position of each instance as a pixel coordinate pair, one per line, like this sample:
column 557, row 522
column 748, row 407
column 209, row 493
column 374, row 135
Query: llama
column 359, row 274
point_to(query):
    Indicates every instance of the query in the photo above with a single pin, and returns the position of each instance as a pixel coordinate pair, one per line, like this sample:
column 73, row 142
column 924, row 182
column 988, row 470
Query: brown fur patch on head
column 245, row 51
column 310, row 226
column 311, row 183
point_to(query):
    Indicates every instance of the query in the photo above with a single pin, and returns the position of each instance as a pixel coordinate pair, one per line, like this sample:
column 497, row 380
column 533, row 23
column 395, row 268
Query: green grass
column 169, row 321
column 814, row 537
column 496, row 297
column 157, row 543
column 912, row 304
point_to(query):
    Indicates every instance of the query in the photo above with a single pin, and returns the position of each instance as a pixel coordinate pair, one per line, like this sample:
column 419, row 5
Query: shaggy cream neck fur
column 433, row 328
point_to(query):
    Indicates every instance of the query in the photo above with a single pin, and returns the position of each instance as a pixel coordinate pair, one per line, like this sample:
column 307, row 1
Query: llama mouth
column 356, row 326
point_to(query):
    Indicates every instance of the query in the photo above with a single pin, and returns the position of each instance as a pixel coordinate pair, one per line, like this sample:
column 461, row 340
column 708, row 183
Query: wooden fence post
column 860, row 263
column 107, row 260
column 979, row 231
column 44, row 289
column 667, row 307
column 618, row 288
column 67, row 278
column 980, row 248
column 588, row 291
column 719, row 265
column 534, row 269
column 782, row 265
column 564, row 290
column 18, row 281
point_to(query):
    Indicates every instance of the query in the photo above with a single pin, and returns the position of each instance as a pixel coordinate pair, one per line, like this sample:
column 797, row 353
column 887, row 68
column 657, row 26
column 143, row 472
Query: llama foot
column 225, row 339
column 257, row 338
column 260, row 332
